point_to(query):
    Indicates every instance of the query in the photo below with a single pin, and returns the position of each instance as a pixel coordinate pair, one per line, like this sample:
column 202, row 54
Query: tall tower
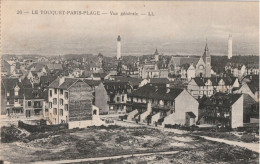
column 118, row 56
column 207, row 60
column 230, row 46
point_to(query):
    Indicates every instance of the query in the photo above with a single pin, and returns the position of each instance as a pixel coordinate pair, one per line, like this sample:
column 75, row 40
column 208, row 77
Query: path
column 251, row 146
column 106, row 158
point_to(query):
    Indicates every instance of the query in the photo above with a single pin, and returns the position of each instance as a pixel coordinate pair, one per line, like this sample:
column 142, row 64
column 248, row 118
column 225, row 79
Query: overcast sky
column 176, row 28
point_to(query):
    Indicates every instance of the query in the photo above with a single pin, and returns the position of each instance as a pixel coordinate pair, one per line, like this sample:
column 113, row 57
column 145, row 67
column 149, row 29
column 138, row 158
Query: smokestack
column 230, row 47
column 118, row 47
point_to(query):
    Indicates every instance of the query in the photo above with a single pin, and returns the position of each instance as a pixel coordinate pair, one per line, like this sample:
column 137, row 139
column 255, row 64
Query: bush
column 10, row 134
column 249, row 138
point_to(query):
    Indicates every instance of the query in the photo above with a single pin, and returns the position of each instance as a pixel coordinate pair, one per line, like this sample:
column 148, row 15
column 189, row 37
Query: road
column 251, row 146
column 106, row 158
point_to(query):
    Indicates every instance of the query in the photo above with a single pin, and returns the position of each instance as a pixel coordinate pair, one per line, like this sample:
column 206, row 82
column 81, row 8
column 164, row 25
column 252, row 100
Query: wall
column 101, row 98
column 237, row 113
column 80, row 102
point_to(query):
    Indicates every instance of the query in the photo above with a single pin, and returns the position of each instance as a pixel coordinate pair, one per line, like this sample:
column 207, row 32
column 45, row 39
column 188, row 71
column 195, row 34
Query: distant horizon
column 178, row 28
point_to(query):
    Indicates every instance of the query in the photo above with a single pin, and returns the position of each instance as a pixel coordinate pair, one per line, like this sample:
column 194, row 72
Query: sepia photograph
column 129, row 82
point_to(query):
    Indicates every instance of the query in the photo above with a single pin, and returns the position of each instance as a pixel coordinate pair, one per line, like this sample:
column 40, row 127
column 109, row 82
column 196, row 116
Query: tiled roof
column 254, row 86
column 156, row 92
column 133, row 81
column 54, row 66
column 31, row 93
column 113, row 87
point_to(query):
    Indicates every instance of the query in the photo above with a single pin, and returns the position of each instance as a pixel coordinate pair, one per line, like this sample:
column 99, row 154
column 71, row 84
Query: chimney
column 168, row 88
column 61, row 80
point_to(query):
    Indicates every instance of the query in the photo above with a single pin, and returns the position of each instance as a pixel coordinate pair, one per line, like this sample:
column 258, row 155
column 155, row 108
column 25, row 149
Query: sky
column 176, row 28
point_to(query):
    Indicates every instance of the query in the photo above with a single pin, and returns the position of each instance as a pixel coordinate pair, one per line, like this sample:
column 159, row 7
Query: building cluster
column 155, row 90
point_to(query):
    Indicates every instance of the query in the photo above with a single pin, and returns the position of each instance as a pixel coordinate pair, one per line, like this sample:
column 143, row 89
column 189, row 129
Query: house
column 70, row 99
column 200, row 86
column 162, row 105
column 12, row 96
column 252, row 69
column 33, row 103
column 117, row 93
column 221, row 109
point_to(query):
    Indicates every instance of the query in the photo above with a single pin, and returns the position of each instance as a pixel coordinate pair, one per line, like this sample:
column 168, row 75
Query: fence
column 41, row 128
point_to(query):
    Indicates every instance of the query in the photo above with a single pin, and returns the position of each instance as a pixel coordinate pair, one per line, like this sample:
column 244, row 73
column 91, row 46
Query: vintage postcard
column 129, row 82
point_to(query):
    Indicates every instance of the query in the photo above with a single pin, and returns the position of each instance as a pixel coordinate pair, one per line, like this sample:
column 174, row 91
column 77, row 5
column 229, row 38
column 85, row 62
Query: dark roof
column 101, row 75
column 229, row 80
column 92, row 83
column 10, row 84
column 132, row 81
column 221, row 100
column 159, row 81
column 254, row 86
column 156, row 92
column 65, row 85
column 46, row 80
column 31, row 93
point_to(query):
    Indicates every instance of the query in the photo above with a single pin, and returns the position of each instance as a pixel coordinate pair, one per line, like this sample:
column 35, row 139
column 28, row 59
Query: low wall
column 41, row 128
column 79, row 124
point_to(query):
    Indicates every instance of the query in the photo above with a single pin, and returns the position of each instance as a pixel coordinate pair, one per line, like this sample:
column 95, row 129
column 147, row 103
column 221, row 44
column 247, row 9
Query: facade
column 199, row 87
column 117, row 95
column 69, row 99
column 221, row 109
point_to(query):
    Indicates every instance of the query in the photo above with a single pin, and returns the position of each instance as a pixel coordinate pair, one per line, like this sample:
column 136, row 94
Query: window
column 15, row 100
column 50, row 93
column 61, row 112
column 61, row 101
column 61, row 91
column 55, row 90
column 55, row 101
column 29, row 103
column 123, row 98
column 117, row 99
column 8, row 94
column 55, row 111
column 50, row 104
column 66, row 95
column 66, row 107
column 16, row 93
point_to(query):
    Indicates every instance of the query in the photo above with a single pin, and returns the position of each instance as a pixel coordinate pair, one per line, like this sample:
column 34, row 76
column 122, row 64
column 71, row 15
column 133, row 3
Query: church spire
column 206, row 46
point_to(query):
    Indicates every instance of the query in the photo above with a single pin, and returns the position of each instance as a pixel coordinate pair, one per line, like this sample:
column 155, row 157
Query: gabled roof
column 133, row 81
column 191, row 114
column 31, row 93
column 156, row 92
column 185, row 60
column 201, row 81
column 65, row 85
column 253, row 86
column 51, row 66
